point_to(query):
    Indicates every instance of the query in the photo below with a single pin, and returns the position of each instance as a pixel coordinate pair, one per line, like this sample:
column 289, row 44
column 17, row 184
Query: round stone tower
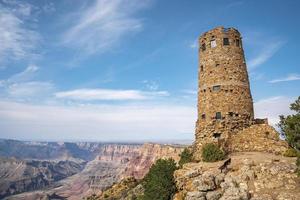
column 225, row 103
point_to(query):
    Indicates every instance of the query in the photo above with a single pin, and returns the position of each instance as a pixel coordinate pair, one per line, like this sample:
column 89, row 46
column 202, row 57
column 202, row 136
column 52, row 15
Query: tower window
column 217, row 64
column 203, row 47
column 226, row 30
column 217, row 135
column 213, row 43
column 225, row 41
column 203, row 116
column 230, row 114
column 201, row 68
column 216, row 88
column 237, row 42
column 218, row 115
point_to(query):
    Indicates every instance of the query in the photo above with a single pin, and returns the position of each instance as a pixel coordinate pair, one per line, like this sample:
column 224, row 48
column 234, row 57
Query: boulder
column 206, row 182
column 195, row 196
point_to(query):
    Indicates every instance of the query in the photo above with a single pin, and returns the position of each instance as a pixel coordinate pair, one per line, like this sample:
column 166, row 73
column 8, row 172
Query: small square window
column 213, row 43
column 237, row 42
column 225, row 41
column 216, row 88
column 203, row 116
column 218, row 115
column 217, row 135
column 201, row 68
column 226, row 30
column 203, row 47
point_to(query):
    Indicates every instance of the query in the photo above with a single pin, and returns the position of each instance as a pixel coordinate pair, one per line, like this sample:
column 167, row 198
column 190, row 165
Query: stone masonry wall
column 223, row 79
column 225, row 106
column 258, row 137
column 223, row 88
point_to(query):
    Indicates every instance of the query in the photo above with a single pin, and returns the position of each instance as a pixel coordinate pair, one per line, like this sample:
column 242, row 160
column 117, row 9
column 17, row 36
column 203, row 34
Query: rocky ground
column 127, row 189
column 249, row 176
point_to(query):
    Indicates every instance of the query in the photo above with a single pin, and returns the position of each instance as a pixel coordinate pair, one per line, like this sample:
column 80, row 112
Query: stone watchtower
column 225, row 103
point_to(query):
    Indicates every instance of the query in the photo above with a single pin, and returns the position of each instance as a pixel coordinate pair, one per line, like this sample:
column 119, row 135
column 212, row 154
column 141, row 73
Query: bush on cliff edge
column 212, row 153
column 159, row 183
column 185, row 157
column 290, row 125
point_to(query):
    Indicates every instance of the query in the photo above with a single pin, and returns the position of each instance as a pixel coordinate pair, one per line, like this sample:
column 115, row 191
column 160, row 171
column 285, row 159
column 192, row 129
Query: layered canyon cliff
column 85, row 167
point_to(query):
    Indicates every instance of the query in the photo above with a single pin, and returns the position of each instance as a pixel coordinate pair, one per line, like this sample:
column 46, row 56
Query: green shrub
column 159, row 182
column 290, row 125
column 211, row 153
column 185, row 157
column 291, row 153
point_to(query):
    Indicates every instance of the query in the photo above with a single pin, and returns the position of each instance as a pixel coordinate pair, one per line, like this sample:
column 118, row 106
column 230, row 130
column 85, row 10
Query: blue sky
column 126, row 70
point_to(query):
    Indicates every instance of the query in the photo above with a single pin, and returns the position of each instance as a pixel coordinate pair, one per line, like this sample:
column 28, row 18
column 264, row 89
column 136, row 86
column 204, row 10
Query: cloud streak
column 23, row 86
column 272, row 107
column 194, row 44
column 25, row 75
column 30, row 89
column 107, row 94
column 266, row 53
column 102, row 25
column 290, row 77
column 16, row 39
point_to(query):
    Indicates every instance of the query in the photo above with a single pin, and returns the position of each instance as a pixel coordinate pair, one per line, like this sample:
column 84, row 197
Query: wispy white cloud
column 261, row 47
column 22, row 85
column 194, row 44
column 20, row 8
column 265, row 54
column 102, row 25
column 25, row 75
column 49, row 7
column 190, row 92
column 151, row 85
column 233, row 4
column 273, row 107
column 30, row 89
column 254, row 76
column 107, row 94
column 17, row 40
column 290, row 77
column 96, row 122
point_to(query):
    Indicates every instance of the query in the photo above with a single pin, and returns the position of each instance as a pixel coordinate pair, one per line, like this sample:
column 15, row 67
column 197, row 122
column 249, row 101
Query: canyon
column 66, row 170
